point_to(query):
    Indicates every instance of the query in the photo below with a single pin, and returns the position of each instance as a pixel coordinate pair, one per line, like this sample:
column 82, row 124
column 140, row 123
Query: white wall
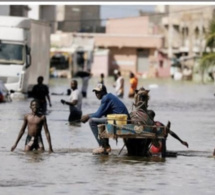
column 60, row 12
column 4, row 10
column 34, row 12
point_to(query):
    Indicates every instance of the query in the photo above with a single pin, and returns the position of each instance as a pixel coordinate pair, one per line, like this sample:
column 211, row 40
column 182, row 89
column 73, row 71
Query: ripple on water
column 72, row 169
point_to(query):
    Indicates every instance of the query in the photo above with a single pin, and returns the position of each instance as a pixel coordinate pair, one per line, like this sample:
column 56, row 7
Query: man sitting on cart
column 110, row 104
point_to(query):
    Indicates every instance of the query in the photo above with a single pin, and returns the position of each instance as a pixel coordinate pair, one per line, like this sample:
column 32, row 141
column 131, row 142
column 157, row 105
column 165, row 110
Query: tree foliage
column 208, row 58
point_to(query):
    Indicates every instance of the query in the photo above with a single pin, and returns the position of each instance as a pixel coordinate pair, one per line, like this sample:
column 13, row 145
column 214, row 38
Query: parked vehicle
column 24, row 52
column 60, row 63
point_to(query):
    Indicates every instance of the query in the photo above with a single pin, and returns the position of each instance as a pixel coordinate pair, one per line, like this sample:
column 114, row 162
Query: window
column 11, row 53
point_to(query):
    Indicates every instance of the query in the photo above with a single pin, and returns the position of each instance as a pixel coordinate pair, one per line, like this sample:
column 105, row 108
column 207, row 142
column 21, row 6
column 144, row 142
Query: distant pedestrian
column 133, row 85
column 85, row 77
column 119, row 85
column 115, row 72
column 34, row 121
column 3, row 91
column 1, row 97
column 74, row 103
column 85, row 82
column 102, row 78
column 41, row 93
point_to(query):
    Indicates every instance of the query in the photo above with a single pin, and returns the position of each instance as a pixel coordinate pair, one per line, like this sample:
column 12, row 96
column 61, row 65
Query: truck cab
column 14, row 60
column 24, row 52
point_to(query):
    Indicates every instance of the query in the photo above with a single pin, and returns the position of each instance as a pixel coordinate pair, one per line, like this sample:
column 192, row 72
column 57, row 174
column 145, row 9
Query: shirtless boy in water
column 35, row 121
column 156, row 149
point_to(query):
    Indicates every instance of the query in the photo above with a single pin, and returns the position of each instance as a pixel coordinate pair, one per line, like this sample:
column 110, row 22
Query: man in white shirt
column 75, row 103
column 119, row 86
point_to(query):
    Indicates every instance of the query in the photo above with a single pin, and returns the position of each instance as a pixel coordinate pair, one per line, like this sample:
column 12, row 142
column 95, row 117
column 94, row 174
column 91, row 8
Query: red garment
column 1, row 97
column 155, row 150
column 133, row 85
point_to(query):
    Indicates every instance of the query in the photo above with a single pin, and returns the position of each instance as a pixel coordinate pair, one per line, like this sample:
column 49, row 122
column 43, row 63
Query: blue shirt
column 110, row 104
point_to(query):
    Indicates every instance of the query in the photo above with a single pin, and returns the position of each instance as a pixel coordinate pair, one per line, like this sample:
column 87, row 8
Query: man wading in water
column 41, row 93
column 35, row 122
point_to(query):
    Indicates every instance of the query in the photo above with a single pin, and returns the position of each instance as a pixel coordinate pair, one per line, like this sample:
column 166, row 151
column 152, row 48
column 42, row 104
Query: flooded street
column 72, row 169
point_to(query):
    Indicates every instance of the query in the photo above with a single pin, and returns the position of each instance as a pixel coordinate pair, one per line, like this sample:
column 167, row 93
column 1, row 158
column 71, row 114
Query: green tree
column 208, row 57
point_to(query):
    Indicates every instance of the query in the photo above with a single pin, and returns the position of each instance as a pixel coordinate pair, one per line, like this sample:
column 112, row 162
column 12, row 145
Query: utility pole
column 202, row 38
column 190, row 22
column 170, row 35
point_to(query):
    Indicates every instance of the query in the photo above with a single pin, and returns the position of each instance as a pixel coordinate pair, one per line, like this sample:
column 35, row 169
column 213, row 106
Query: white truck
column 24, row 52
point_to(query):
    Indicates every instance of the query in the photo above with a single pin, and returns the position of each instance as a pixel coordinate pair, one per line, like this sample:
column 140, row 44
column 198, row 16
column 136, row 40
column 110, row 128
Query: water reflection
column 31, row 156
column 125, row 159
column 35, row 156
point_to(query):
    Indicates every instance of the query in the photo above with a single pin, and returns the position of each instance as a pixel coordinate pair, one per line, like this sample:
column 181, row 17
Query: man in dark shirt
column 110, row 104
column 40, row 93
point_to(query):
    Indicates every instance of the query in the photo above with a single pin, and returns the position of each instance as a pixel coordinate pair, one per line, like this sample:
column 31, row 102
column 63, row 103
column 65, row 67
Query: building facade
column 129, row 44
column 132, row 45
column 14, row 10
column 80, row 18
column 184, row 29
column 68, row 18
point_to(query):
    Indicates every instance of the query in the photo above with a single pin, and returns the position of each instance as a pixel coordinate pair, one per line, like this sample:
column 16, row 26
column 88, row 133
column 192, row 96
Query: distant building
column 14, row 10
column 132, row 45
column 184, row 29
column 80, row 18
column 69, row 18
column 129, row 44
column 65, row 18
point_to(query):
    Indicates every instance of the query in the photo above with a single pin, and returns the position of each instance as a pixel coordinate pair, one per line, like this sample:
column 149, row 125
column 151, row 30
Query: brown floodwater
column 72, row 169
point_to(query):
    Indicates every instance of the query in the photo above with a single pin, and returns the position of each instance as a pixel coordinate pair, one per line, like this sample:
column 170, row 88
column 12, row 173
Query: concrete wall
column 100, row 63
column 124, row 38
column 19, row 10
column 133, row 26
column 14, row 10
column 60, row 40
column 120, row 41
column 185, row 27
column 80, row 18
column 90, row 16
column 123, row 59
column 123, row 46
column 4, row 10
column 34, row 12
column 48, row 13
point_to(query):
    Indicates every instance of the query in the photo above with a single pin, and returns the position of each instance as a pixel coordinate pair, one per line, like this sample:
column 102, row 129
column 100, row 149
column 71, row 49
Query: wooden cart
column 140, row 136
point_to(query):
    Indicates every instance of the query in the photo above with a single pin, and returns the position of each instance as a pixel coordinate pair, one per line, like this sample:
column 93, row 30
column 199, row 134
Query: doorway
column 142, row 60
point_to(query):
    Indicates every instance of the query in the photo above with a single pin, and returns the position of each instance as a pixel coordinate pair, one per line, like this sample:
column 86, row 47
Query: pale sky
column 108, row 11
column 118, row 11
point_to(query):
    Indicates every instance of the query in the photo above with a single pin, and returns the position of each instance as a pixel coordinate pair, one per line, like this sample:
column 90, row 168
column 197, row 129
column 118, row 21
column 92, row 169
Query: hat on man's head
column 100, row 87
